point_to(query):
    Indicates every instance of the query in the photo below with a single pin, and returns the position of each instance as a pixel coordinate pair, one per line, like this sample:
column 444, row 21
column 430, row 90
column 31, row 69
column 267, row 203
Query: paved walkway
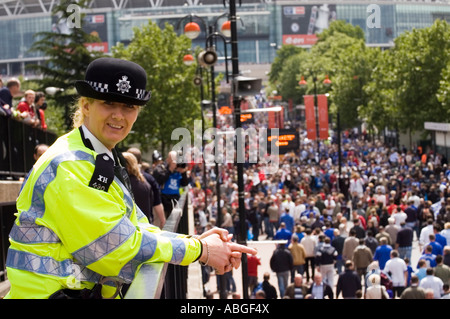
column 265, row 250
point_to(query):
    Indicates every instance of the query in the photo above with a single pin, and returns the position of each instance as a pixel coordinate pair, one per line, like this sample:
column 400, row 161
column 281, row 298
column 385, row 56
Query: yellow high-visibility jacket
column 68, row 234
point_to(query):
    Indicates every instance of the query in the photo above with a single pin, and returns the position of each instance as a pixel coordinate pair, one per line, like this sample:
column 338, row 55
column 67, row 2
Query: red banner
column 271, row 116
column 310, row 117
column 322, row 105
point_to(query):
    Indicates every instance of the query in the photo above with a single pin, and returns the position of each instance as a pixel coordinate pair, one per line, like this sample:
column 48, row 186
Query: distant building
column 263, row 27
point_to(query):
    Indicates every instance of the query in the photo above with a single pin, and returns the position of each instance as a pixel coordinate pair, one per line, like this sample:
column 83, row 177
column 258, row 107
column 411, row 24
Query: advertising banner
column 310, row 117
column 322, row 105
column 94, row 24
column 302, row 23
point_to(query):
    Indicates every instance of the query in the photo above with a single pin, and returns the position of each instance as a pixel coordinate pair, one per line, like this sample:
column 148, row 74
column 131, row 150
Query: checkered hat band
column 140, row 93
column 100, row 87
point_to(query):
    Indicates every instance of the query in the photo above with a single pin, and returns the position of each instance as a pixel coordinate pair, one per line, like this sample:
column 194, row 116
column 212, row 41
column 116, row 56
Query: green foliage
column 411, row 78
column 398, row 88
column 175, row 99
column 283, row 54
column 340, row 26
column 68, row 60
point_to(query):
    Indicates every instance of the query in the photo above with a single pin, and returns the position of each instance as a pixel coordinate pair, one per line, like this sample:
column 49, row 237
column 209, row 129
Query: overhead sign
column 301, row 24
column 286, row 140
column 247, row 118
column 225, row 110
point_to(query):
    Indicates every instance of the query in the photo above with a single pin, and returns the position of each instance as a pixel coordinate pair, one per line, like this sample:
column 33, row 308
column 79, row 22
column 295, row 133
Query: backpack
column 386, row 281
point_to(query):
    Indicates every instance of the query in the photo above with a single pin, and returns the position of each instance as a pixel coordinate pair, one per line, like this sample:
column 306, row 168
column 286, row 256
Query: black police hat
column 114, row 80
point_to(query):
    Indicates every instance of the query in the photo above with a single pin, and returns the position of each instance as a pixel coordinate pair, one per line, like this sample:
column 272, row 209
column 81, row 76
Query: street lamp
column 205, row 59
column 192, row 30
column 51, row 90
column 188, row 59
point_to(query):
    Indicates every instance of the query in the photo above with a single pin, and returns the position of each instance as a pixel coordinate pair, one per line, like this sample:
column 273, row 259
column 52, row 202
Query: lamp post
column 188, row 59
column 207, row 59
column 51, row 90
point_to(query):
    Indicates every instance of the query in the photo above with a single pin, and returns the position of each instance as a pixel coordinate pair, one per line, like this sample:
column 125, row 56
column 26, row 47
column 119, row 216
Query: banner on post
column 310, row 117
column 322, row 109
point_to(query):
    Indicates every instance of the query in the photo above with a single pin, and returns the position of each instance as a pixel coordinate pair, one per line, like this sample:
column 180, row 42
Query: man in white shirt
column 396, row 268
column 399, row 216
column 432, row 282
column 289, row 205
column 424, row 237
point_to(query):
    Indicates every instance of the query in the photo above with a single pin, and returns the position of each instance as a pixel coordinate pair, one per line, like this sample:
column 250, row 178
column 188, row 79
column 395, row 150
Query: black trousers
column 169, row 203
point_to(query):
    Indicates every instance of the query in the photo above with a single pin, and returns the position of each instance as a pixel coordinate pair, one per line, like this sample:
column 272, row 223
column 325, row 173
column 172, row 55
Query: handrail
column 18, row 141
column 149, row 280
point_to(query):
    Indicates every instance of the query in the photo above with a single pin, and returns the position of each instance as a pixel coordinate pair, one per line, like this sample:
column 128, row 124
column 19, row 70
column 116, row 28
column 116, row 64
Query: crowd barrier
column 17, row 143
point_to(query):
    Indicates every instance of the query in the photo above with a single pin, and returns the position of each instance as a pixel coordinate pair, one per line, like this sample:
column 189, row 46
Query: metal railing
column 17, row 143
column 7, row 219
column 163, row 280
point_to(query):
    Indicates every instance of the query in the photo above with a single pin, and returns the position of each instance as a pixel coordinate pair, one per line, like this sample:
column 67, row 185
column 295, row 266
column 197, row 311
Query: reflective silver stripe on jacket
column 147, row 250
column 48, row 266
column 37, row 208
column 30, row 233
column 106, row 243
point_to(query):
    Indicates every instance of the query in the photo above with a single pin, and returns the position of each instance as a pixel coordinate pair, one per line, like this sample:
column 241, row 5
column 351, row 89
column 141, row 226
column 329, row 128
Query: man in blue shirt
column 437, row 247
column 429, row 257
column 382, row 253
column 283, row 233
column 288, row 220
column 171, row 176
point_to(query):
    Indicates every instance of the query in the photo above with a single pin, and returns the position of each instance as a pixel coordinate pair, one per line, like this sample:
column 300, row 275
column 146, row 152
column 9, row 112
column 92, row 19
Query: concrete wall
column 9, row 190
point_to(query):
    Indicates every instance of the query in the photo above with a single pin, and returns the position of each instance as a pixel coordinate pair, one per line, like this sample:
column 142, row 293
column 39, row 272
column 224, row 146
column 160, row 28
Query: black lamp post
column 242, row 238
column 207, row 59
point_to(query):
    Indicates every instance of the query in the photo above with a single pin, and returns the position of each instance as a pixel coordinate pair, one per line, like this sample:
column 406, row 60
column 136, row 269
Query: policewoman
column 78, row 232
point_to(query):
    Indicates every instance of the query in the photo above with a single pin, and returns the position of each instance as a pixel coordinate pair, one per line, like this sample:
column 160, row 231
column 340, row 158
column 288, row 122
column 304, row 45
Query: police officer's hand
column 223, row 254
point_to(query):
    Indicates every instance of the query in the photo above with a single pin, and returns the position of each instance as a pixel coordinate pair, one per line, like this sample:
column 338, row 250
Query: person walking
column 382, row 253
column 362, row 257
column 350, row 243
column 432, row 282
column 325, row 259
column 281, row 263
column 404, row 241
column 399, row 273
column 309, row 243
column 413, row 291
column 296, row 290
column 348, row 282
column 376, row 290
column 298, row 255
column 338, row 244
column 319, row 289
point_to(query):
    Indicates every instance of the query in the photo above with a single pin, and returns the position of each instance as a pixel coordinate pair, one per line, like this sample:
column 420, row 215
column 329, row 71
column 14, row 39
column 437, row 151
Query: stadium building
column 263, row 26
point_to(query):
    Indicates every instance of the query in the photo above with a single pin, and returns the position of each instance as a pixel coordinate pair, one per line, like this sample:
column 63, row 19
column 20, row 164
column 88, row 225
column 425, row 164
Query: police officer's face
column 110, row 122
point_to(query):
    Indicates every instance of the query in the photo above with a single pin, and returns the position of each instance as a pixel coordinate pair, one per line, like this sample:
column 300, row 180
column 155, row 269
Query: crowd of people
column 349, row 236
column 30, row 109
column 359, row 228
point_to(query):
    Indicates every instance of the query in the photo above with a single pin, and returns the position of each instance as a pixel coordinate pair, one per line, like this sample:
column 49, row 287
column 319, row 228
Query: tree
column 175, row 99
column 409, row 84
column 283, row 54
column 340, row 26
column 67, row 55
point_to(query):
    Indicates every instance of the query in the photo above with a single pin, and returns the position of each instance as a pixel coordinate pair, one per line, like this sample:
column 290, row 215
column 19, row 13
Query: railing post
column 152, row 278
